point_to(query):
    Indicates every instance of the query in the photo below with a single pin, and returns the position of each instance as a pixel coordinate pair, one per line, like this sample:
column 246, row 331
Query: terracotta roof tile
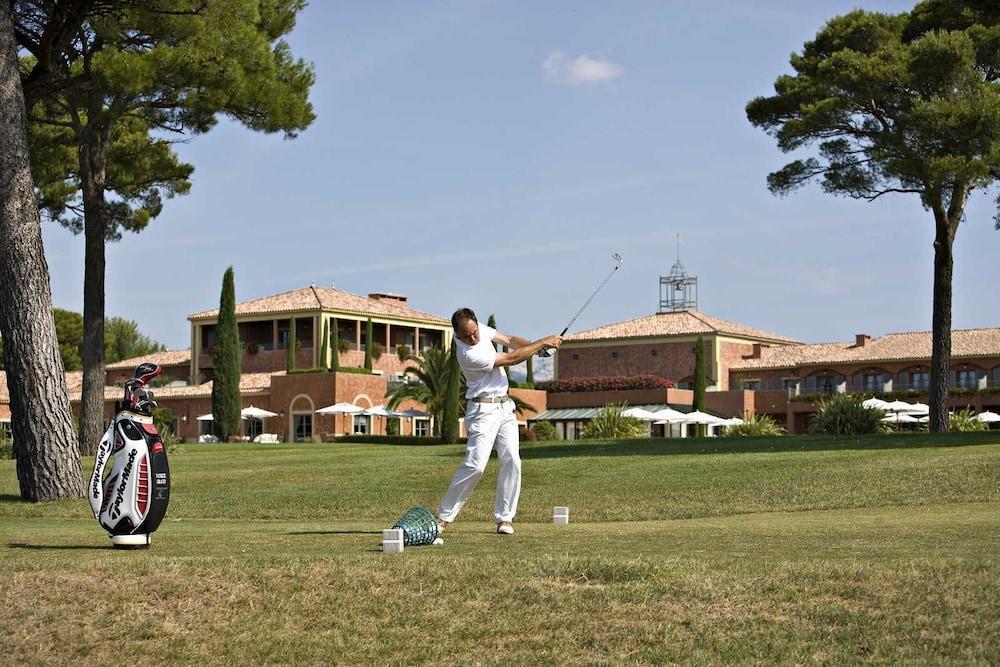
column 165, row 358
column 688, row 322
column 326, row 298
column 890, row 347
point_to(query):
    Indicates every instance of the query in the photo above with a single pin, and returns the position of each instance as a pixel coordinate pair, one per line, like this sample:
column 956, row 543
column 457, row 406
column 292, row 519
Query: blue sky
column 495, row 154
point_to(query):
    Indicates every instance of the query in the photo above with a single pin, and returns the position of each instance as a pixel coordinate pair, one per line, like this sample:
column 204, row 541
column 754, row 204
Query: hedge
column 392, row 439
column 615, row 383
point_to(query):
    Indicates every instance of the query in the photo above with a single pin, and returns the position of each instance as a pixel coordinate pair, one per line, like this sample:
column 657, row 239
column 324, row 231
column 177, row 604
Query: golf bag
column 132, row 500
column 419, row 526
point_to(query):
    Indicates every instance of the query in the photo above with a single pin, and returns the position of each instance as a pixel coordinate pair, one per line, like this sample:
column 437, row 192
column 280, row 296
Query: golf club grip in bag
column 131, row 501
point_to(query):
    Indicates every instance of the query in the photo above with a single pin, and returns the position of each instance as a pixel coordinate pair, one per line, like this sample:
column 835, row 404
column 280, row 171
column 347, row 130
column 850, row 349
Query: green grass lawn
column 785, row 550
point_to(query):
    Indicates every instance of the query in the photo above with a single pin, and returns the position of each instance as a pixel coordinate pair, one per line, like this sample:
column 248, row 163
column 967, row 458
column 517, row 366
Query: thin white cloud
column 580, row 71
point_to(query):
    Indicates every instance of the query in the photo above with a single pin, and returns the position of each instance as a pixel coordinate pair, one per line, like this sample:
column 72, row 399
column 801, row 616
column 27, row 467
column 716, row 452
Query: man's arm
column 522, row 352
column 512, row 342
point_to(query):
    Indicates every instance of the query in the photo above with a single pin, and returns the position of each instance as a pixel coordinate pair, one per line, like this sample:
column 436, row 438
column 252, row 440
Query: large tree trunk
column 92, row 176
column 48, row 466
column 941, row 318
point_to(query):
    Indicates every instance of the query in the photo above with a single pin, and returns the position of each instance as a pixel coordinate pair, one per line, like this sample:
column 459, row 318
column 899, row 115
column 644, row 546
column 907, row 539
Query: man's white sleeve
column 477, row 359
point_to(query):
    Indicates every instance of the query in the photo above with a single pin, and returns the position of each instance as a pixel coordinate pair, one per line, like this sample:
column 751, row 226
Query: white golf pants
column 489, row 425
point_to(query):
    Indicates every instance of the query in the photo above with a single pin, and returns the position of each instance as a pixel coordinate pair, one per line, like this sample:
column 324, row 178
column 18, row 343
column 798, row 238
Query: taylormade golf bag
column 132, row 500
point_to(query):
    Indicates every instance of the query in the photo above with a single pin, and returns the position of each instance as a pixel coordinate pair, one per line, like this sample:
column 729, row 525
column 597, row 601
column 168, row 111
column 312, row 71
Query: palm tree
column 431, row 381
column 431, row 384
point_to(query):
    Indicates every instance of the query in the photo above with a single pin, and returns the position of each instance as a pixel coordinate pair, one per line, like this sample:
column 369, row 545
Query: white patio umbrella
column 898, row 406
column 340, row 408
column 874, row 403
column 919, row 409
column 900, row 418
column 667, row 415
column 205, row 418
column 699, row 417
column 639, row 413
column 381, row 411
column 257, row 413
column 412, row 413
column 732, row 421
column 988, row 417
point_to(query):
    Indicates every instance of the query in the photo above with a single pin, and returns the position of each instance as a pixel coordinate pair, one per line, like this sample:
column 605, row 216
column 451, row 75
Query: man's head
column 466, row 326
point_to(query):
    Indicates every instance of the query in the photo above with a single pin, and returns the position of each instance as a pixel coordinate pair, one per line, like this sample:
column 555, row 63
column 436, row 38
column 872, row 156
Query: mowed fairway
column 789, row 550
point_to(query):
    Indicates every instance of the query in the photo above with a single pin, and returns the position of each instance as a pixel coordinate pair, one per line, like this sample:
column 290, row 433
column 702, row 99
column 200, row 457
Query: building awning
column 573, row 414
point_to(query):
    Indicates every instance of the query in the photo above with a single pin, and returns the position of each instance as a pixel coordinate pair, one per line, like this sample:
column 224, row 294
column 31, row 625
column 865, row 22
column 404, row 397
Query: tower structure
column 678, row 291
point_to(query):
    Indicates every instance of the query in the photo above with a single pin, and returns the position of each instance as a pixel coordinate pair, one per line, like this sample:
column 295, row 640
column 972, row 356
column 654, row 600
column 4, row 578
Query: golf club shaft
column 547, row 352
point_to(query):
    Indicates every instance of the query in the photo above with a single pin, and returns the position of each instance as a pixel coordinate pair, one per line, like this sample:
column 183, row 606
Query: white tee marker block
column 560, row 515
column 392, row 540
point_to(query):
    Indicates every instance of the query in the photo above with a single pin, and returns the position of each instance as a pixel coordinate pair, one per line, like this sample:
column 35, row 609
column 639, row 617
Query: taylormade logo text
column 126, row 473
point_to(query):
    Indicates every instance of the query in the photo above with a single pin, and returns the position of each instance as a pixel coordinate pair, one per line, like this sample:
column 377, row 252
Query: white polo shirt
column 476, row 362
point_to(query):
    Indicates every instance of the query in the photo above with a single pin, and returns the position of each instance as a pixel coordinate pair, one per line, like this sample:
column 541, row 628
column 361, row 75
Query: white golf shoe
column 505, row 528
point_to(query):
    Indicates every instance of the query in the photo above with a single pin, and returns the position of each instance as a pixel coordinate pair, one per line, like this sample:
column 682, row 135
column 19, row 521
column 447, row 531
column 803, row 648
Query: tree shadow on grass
column 57, row 547
column 805, row 443
column 336, row 532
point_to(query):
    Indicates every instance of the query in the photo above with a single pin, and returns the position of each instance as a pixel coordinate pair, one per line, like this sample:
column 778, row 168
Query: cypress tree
column 335, row 344
column 290, row 350
column 324, row 354
column 226, row 403
column 699, row 380
column 530, row 379
column 492, row 323
column 699, row 374
column 368, row 345
column 449, row 416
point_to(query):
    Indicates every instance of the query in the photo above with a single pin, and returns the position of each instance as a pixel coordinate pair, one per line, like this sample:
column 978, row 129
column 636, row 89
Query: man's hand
column 552, row 342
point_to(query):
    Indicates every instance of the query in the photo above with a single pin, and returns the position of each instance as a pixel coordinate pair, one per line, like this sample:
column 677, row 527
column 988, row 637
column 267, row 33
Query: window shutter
column 904, row 380
column 981, row 378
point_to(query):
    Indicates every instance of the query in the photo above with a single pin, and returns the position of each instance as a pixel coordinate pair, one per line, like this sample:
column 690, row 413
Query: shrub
column 526, row 434
column 6, row 444
column 392, row 426
column 843, row 414
column 611, row 423
column 353, row 369
column 403, row 352
column 163, row 419
column 545, row 431
column 755, row 426
column 965, row 421
column 617, row 383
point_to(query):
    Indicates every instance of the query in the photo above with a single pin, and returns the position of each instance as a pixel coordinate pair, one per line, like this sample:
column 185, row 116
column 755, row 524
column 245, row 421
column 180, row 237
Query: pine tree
column 324, row 354
column 368, row 345
column 335, row 344
column 290, row 350
column 449, row 416
column 226, row 403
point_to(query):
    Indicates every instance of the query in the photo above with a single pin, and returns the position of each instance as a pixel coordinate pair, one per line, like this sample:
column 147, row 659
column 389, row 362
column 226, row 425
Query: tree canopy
column 906, row 103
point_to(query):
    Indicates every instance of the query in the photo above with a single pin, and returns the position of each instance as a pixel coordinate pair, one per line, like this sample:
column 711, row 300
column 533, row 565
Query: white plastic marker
column 392, row 540
column 560, row 515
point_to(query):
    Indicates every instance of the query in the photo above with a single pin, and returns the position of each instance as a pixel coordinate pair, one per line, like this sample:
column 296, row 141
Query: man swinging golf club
column 489, row 416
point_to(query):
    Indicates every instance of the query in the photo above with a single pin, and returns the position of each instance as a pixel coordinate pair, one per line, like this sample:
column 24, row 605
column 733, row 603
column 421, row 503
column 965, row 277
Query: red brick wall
column 672, row 360
column 730, row 353
column 533, row 397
